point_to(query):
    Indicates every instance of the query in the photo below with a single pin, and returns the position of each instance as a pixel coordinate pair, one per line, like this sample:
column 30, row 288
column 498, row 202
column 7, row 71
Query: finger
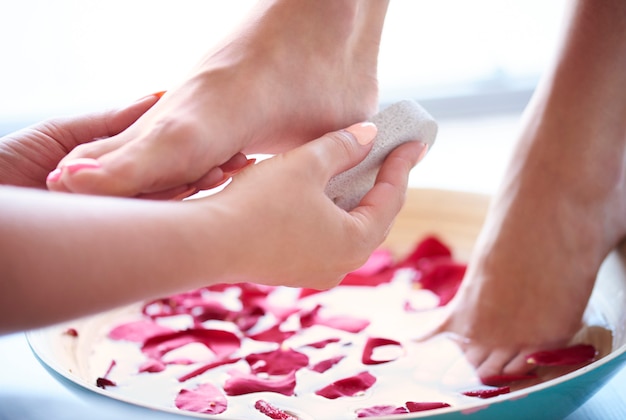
column 382, row 203
column 337, row 151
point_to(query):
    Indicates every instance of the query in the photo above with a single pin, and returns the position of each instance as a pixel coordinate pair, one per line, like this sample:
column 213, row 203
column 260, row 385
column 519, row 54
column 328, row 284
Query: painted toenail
column 54, row 176
column 80, row 164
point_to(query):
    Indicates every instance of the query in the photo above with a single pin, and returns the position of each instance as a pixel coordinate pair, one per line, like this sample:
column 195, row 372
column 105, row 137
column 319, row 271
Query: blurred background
column 472, row 64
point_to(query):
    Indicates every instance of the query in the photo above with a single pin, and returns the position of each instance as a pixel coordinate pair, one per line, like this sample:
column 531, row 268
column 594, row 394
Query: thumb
column 338, row 151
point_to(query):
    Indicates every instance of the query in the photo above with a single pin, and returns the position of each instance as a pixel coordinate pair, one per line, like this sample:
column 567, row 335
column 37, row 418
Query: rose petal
column 322, row 343
column 443, row 278
column 241, row 383
column 344, row 323
column 501, row 380
column 380, row 410
column 152, row 366
column 277, row 362
column 580, row 353
column 324, row 365
column 138, row 331
column 348, row 387
column 272, row 411
column 429, row 247
column 222, row 343
column 488, row 393
column 378, row 261
column 205, row 398
column 371, row 345
column 273, row 335
column 414, row 407
column 209, row 366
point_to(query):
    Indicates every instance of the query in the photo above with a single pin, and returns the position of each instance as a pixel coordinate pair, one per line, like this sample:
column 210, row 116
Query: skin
column 240, row 98
column 66, row 255
column 561, row 208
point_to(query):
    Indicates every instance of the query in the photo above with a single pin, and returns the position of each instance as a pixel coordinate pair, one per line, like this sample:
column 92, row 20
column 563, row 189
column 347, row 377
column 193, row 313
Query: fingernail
column 54, row 176
column 423, row 152
column 159, row 95
column 80, row 164
column 364, row 132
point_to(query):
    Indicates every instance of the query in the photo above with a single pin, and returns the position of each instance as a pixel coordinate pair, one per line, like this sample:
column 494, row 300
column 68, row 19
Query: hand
column 289, row 232
column 28, row 155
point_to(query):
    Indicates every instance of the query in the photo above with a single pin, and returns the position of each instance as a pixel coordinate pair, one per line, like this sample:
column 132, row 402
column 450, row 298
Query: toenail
column 80, row 164
column 54, row 176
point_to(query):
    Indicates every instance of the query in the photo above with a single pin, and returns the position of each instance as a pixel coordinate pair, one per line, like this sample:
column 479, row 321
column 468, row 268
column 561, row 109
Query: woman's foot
column 292, row 72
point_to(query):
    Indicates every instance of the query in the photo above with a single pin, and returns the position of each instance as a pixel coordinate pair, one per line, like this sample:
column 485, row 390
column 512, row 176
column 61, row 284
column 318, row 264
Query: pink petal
column 138, row 331
column 205, row 398
column 371, row 345
column 152, row 366
column 414, row 407
column 324, row 365
column 272, row 412
column 373, row 280
column 277, row 362
column 380, row 410
column 379, row 260
column 348, row 387
column 222, row 343
column 209, row 366
column 344, row 323
column 322, row 343
column 241, row 383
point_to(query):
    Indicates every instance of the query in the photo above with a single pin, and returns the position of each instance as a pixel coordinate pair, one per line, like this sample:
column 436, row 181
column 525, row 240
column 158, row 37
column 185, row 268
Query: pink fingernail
column 80, row 164
column 54, row 176
column 364, row 132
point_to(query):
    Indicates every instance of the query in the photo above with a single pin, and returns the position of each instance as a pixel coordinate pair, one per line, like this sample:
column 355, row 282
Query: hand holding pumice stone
column 397, row 124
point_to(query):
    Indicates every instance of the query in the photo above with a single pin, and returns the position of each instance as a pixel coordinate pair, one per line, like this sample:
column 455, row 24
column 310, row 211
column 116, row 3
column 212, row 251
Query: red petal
column 344, row 323
column 581, row 353
column 371, row 345
column 348, row 387
column 488, row 393
column 273, row 335
column 500, row 380
column 205, row 398
column 222, row 343
column 322, row 343
column 272, row 412
column 241, row 383
column 152, row 366
column 324, row 365
column 209, row 366
column 72, row 332
column 414, row 407
column 138, row 331
column 443, row 278
column 380, row 410
column 429, row 247
column 104, row 382
column 277, row 362
column 353, row 279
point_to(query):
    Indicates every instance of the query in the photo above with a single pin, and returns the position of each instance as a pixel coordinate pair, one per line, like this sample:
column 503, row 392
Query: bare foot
column 291, row 72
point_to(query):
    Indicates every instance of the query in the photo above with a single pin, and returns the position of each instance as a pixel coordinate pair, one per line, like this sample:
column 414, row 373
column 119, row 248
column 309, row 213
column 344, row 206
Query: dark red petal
column 205, row 398
column 348, row 387
column 501, row 380
column 277, row 362
column 272, row 411
column 72, row 332
column 443, row 278
column 241, row 383
column 209, row 366
column 222, row 343
column 138, row 331
column 580, row 353
column 344, row 323
column 414, row 407
column 429, row 247
column 380, row 410
column 488, row 393
column 104, row 382
column 273, row 335
column 371, row 345
column 324, row 365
